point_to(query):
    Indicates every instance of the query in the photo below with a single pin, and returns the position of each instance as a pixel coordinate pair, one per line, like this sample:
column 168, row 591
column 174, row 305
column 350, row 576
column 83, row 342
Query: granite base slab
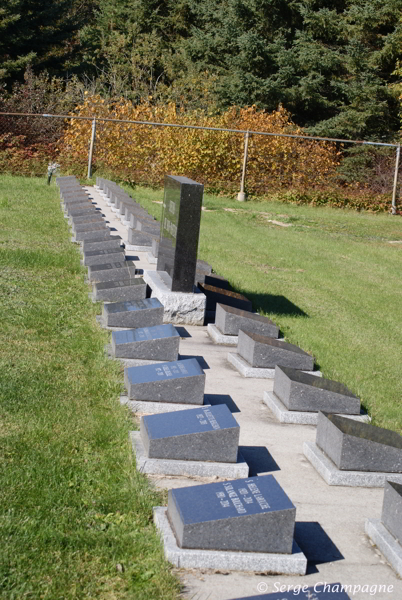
column 278, row 564
column 284, row 415
column 148, row 407
column 386, row 543
column 181, row 308
column 246, row 370
column 185, row 468
column 334, row 476
column 219, row 338
column 151, row 258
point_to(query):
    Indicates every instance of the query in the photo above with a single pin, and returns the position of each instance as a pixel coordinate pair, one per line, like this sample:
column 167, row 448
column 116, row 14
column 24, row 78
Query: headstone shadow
column 214, row 399
column 259, row 460
column 316, row 545
column 279, row 305
column 182, row 331
column 201, row 360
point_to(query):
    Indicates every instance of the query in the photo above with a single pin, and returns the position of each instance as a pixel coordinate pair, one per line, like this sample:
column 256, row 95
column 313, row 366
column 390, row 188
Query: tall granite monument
column 180, row 229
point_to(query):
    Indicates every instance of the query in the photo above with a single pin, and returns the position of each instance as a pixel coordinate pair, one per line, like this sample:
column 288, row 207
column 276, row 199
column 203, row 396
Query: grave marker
column 180, row 381
column 305, row 392
column 120, row 290
column 180, row 228
column 245, row 515
column 202, row 434
column 355, row 446
column 133, row 313
column 266, row 352
column 148, row 343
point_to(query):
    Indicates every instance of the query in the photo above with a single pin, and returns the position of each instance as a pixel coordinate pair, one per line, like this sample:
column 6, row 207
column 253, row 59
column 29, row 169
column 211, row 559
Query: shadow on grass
column 279, row 305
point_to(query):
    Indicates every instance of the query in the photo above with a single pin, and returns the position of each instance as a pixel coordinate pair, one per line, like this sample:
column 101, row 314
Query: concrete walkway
column 329, row 520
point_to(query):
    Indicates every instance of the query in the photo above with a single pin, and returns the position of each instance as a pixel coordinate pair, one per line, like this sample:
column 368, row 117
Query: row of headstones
column 167, row 436
column 143, row 229
column 192, row 441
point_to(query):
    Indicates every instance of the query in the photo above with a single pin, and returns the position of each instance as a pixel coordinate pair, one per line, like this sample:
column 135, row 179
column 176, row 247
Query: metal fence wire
column 28, row 142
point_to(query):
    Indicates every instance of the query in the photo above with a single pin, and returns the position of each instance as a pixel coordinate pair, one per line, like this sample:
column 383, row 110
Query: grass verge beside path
column 328, row 277
column 75, row 515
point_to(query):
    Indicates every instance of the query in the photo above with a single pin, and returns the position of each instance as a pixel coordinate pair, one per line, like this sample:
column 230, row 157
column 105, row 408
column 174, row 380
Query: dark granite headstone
column 120, row 290
column 92, row 236
column 305, row 392
column 300, row 591
column 94, row 257
column 140, row 238
column 81, row 227
column 147, row 343
column 392, row 509
column 133, row 313
column 229, row 320
column 180, row 229
column 181, row 381
column 72, row 209
column 114, row 241
column 247, row 515
column 80, row 212
column 266, row 352
column 205, row 433
column 355, row 446
column 112, row 271
column 222, row 296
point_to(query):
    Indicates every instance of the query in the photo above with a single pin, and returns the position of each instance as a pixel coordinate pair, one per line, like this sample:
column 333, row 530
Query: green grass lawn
column 331, row 281
column 75, row 515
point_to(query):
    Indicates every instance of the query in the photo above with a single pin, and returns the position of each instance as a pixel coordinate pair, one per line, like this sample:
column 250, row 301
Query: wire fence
column 233, row 160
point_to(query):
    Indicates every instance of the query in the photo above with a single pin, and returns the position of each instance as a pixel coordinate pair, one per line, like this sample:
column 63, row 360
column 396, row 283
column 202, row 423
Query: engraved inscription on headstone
column 180, row 228
column 205, row 434
column 248, row 515
column 177, row 381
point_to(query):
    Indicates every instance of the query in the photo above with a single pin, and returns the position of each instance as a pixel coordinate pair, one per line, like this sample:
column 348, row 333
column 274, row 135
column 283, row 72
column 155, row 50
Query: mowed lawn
column 329, row 278
column 75, row 515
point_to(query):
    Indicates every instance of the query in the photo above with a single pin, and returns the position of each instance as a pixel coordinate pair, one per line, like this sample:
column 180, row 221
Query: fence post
column 398, row 153
column 241, row 196
column 91, row 149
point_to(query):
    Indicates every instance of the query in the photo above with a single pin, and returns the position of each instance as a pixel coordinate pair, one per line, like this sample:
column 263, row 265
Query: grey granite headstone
column 112, row 271
column 246, row 515
column 120, row 290
column 392, row 509
column 181, row 382
column 180, row 229
column 80, row 212
column 215, row 295
column 148, row 343
column 205, row 433
column 140, row 238
column 133, row 313
column 355, row 446
column 74, row 208
column 300, row 591
column 80, row 227
column 305, row 392
column 266, row 352
column 229, row 320
column 93, row 236
column 98, row 257
column 114, row 241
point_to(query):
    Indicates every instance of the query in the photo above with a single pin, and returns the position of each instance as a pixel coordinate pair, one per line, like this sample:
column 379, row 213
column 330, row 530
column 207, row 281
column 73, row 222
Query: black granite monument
column 180, row 229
